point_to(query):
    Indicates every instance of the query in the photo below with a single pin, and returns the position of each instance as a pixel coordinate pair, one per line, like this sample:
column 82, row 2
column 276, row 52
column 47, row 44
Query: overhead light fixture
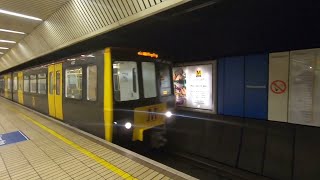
column 19, row 15
column 11, row 31
column 4, row 48
column 7, row 41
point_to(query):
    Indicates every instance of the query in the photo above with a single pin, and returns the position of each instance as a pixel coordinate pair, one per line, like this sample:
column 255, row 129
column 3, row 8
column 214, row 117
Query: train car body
column 117, row 94
column 2, row 86
column 6, row 85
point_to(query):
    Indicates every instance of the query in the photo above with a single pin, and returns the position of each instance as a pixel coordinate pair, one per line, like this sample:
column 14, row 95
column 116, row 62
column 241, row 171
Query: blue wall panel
column 256, row 86
column 233, row 95
column 220, row 85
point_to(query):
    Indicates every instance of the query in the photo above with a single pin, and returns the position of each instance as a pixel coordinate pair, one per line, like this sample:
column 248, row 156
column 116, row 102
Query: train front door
column 55, row 90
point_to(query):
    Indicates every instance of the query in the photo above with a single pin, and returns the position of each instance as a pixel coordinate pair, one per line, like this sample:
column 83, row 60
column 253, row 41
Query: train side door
column 55, row 90
column 20, row 87
column 6, row 86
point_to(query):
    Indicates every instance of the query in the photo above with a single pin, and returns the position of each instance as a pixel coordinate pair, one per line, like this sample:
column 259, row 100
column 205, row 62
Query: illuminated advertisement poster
column 193, row 86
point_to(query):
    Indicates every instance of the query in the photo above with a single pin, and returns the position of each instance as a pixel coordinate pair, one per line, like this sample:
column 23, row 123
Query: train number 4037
column 153, row 114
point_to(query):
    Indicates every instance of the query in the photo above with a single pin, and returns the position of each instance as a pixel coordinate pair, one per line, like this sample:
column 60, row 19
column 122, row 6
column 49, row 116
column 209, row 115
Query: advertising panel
column 194, row 86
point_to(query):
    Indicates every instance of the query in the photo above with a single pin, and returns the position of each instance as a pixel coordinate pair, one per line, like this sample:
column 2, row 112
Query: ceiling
column 197, row 32
column 37, row 8
column 79, row 20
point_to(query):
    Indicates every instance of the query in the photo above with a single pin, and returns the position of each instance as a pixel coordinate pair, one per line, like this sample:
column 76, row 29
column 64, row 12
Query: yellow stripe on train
column 147, row 117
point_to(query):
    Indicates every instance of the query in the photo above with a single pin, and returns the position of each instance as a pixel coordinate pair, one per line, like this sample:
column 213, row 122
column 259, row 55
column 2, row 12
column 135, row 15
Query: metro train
column 121, row 95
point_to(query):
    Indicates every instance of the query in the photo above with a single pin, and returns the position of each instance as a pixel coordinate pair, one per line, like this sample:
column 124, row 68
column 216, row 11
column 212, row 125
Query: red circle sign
column 278, row 87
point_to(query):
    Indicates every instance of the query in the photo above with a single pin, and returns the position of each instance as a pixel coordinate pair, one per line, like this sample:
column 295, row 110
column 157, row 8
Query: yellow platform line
column 99, row 160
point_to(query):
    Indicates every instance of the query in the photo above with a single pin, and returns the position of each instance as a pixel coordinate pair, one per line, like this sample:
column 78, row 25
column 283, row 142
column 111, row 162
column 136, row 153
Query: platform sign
column 278, row 86
column 12, row 138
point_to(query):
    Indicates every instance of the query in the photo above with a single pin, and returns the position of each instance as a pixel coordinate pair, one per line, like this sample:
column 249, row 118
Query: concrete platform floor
column 57, row 151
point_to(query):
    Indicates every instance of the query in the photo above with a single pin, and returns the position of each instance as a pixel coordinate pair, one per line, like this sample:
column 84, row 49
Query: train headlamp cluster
column 128, row 125
column 168, row 114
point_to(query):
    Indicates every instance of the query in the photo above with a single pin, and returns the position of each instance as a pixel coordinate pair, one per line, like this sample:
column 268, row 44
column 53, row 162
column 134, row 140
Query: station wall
column 294, row 87
column 231, row 86
column 278, row 82
column 280, row 86
column 282, row 89
column 243, row 86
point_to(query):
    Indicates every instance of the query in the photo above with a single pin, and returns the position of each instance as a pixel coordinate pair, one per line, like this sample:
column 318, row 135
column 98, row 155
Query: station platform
column 34, row 146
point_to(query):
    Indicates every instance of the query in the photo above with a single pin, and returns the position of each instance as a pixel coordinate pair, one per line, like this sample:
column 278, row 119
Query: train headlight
column 128, row 125
column 168, row 114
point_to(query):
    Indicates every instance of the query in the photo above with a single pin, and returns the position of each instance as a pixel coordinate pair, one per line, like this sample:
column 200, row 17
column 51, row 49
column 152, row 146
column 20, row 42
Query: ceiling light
column 19, row 15
column 1, row 52
column 10, row 31
column 4, row 48
column 7, row 41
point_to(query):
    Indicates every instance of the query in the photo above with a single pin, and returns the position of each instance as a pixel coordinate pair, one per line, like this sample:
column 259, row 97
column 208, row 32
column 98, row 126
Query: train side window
column 58, row 82
column 51, row 82
column 165, row 80
column 149, row 79
column 92, row 83
column 1, row 86
column 33, row 83
column 73, row 80
column 42, row 83
column 26, row 84
column 15, row 83
column 5, row 84
column 125, row 79
column 9, row 84
column 20, row 82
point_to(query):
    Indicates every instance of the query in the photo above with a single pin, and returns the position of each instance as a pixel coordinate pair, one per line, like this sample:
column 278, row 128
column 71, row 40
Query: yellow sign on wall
column 198, row 73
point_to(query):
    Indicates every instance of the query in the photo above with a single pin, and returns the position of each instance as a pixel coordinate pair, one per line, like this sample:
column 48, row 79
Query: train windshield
column 74, row 83
column 165, row 80
column 126, row 80
column 125, row 75
column 149, row 79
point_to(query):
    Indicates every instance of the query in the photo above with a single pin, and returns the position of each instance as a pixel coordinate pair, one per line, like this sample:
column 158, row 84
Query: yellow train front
column 143, row 97
column 121, row 95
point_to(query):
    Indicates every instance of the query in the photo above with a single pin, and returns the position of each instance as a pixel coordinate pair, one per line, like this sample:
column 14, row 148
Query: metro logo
column 198, row 73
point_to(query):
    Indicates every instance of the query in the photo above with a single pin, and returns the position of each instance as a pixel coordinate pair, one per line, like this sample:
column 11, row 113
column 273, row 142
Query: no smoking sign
column 278, row 87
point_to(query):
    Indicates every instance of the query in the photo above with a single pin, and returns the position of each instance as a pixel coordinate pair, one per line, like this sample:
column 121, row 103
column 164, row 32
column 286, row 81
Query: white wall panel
column 316, row 89
column 278, row 86
column 304, row 94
